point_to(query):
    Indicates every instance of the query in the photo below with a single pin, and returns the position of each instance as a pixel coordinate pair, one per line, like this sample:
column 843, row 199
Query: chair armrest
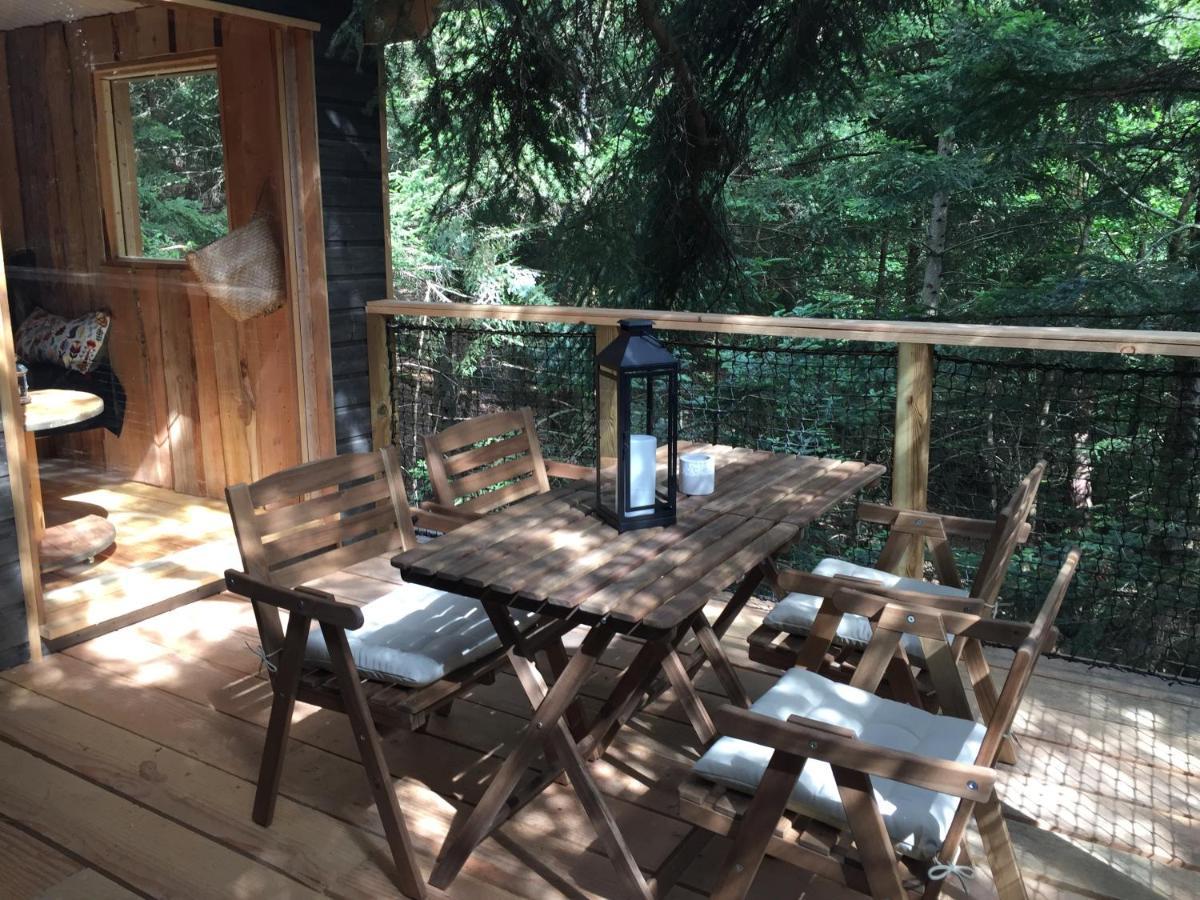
column 441, row 509
column 838, row 747
column 436, row 517
column 318, row 605
column 825, row 585
column 922, row 619
column 954, row 526
column 556, row 469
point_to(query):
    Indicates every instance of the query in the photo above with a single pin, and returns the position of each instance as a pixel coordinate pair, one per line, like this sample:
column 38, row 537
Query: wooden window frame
column 114, row 149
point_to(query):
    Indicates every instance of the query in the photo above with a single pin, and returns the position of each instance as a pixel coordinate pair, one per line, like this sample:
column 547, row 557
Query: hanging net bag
column 242, row 272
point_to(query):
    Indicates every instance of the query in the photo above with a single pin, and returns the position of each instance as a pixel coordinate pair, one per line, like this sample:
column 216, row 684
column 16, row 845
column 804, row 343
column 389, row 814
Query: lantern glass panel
column 637, row 384
column 648, row 433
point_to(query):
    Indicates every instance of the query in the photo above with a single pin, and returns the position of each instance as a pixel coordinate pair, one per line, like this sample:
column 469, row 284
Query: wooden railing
column 914, row 365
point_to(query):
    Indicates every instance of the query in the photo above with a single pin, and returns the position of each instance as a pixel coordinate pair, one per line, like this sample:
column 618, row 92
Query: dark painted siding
column 352, row 193
column 14, row 642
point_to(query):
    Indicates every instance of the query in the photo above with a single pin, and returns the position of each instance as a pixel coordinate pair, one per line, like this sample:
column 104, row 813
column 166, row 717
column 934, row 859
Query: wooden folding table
column 550, row 555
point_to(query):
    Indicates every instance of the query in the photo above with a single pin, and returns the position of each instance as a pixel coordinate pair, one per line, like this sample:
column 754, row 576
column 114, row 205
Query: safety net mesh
column 1121, row 436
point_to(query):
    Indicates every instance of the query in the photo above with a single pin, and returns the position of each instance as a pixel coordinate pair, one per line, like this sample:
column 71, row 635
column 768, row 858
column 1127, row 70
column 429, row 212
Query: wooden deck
column 170, row 548
column 127, row 767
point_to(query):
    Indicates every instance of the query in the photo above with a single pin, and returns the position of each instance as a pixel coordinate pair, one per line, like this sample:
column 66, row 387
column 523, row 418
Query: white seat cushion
column 917, row 819
column 796, row 612
column 415, row 635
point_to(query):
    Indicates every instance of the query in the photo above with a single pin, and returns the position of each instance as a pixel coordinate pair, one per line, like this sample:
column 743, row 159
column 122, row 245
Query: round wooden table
column 82, row 538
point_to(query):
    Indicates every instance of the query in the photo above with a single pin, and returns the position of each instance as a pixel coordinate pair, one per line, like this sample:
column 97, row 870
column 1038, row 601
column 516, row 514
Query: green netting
column 1121, row 436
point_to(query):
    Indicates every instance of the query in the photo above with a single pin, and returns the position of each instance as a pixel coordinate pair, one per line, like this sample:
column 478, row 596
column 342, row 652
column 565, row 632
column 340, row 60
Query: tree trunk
column 935, row 246
column 1177, row 246
column 1193, row 240
column 912, row 267
column 881, row 277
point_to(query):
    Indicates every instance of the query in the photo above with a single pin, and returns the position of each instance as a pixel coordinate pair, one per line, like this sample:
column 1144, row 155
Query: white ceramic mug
column 697, row 474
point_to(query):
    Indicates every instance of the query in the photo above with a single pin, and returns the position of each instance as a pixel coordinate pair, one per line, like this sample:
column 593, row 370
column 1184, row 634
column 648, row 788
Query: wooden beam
column 306, row 253
column 385, row 183
column 910, row 459
column 1077, row 340
column 19, row 476
column 379, row 378
column 379, row 373
column 124, row 174
column 230, row 9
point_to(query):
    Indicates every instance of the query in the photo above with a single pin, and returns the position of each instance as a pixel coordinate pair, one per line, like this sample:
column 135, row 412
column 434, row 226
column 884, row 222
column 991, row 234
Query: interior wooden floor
column 170, row 548
column 128, row 764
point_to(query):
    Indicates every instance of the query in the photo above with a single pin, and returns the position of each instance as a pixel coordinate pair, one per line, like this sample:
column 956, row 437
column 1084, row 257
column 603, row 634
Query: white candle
column 642, row 472
column 697, row 474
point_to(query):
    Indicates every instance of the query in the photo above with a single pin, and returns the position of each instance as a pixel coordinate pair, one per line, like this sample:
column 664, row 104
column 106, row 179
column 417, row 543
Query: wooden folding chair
column 411, row 650
column 481, row 464
column 780, row 640
column 814, row 772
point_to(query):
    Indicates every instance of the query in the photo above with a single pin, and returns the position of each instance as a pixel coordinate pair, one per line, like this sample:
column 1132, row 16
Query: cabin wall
column 354, row 186
column 210, row 401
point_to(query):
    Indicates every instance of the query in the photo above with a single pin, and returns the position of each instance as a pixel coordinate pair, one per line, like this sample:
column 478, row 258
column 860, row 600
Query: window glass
column 168, row 135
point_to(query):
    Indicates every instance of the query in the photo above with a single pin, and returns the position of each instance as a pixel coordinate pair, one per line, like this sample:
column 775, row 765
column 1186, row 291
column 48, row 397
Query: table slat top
column 550, row 553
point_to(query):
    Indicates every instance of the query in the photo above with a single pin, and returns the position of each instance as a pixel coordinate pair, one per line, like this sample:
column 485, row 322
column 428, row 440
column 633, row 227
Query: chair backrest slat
column 304, row 522
column 1037, row 642
column 1005, row 536
column 486, row 462
column 1041, row 636
column 486, row 455
column 314, row 476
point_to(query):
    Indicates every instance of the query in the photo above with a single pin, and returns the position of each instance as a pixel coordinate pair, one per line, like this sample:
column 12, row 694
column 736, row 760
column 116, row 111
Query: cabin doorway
column 131, row 134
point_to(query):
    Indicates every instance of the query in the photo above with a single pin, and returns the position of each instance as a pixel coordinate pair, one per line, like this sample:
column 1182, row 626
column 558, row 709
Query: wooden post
column 380, row 381
column 305, row 247
column 20, row 476
column 605, row 335
column 910, row 461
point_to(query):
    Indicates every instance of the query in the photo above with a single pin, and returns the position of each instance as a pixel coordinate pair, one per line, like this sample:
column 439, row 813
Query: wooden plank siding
column 153, row 344
column 353, row 187
column 210, row 401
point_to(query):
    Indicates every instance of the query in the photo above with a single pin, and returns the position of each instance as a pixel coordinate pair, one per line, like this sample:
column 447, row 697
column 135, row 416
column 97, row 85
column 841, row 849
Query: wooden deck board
column 159, row 725
column 171, row 548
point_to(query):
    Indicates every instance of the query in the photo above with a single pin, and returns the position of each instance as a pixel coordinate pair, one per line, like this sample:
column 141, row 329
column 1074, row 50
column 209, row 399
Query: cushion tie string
column 264, row 657
column 940, row 871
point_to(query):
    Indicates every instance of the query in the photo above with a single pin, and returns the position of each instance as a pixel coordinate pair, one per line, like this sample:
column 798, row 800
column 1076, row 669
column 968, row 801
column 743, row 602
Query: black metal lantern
column 637, row 385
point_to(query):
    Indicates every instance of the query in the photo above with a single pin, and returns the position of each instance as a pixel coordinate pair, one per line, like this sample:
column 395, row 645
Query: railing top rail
column 1080, row 340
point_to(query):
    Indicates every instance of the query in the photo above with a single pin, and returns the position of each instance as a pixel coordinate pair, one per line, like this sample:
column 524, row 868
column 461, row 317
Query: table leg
column 741, row 596
column 628, row 696
column 35, row 486
column 558, row 659
column 546, row 722
column 710, row 646
column 563, row 752
column 631, row 691
column 685, row 693
column 710, row 640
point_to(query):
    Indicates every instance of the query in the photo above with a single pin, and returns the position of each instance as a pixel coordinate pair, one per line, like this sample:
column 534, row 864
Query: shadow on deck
column 130, row 761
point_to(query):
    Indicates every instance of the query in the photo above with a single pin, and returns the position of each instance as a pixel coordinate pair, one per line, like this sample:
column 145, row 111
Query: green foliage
column 722, row 157
column 782, row 158
column 179, row 161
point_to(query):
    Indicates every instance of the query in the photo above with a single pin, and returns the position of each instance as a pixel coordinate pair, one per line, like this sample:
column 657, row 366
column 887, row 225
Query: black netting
column 1121, row 439
column 1121, row 436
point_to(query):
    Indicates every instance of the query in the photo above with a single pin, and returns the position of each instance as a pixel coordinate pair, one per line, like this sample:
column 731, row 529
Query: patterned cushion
column 76, row 344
